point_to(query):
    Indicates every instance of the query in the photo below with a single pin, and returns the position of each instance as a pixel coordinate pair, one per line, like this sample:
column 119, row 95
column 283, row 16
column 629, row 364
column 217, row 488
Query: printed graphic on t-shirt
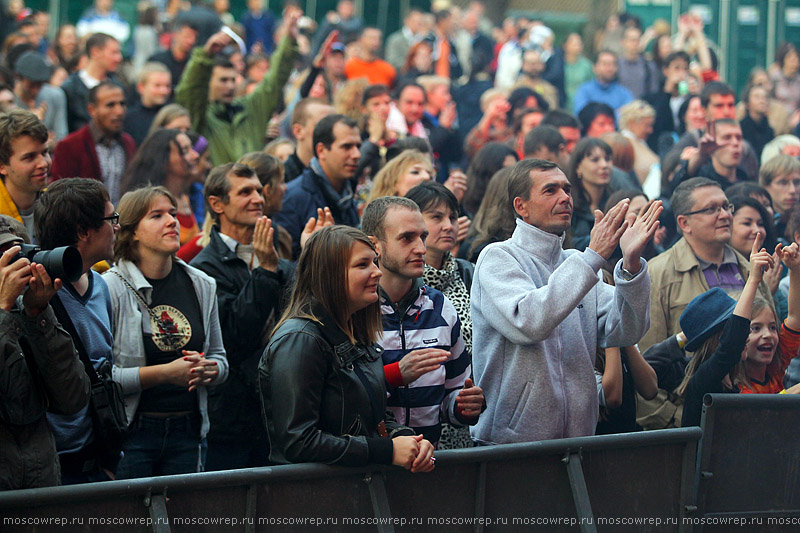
column 171, row 328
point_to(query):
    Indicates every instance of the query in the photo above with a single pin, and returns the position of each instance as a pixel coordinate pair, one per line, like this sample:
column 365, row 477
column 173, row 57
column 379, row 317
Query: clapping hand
column 264, row 245
column 413, row 453
column 417, row 363
column 457, row 183
column 323, row 220
column 636, row 237
column 325, row 49
column 608, row 229
column 773, row 275
column 707, row 144
column 202, row 371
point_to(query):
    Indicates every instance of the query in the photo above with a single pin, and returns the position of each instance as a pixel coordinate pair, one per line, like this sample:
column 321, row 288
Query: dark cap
column 705, row 315
column 337, row 47
column 8, row 233
column 33, row 66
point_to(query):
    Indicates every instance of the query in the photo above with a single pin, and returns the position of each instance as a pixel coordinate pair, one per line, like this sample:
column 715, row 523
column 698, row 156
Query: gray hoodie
column 539, row 313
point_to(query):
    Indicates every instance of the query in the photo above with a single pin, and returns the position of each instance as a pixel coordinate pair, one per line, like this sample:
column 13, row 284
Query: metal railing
column 742, row 468
column 571, row 483
column 748, row 461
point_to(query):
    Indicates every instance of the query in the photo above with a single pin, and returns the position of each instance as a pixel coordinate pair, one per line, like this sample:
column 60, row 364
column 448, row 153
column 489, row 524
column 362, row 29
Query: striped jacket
column 424, row 319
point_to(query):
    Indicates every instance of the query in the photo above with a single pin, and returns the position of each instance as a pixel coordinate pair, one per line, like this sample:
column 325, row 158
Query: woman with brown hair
column 589, row 174
column 321, row 376
column 167, row 339
column 419, row 62
column 495, row 220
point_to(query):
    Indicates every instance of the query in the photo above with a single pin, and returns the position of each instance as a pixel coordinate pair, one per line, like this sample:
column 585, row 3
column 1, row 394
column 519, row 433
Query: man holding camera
column 39, row 370
column 77, row 212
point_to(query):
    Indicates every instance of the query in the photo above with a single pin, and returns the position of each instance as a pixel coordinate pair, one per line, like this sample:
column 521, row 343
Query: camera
column 64, row 262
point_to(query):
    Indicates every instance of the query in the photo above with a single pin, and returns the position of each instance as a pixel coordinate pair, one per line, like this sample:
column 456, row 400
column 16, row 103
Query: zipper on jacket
column 401, row 316
column 403, row 346
column 561, row 371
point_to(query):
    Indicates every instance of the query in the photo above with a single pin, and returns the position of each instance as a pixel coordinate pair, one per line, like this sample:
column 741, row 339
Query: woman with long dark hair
column 589, row 174
column 489, row 159
column 167, row 158
column 495, row 220
column 321, row 376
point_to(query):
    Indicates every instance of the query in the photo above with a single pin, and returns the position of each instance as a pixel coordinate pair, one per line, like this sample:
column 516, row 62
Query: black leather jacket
column 316, row 406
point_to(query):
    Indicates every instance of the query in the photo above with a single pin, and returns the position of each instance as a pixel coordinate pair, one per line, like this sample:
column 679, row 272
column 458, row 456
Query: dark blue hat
column 704, row 316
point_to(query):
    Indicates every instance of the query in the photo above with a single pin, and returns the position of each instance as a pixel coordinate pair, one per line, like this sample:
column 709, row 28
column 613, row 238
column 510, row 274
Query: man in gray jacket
column 539, row 312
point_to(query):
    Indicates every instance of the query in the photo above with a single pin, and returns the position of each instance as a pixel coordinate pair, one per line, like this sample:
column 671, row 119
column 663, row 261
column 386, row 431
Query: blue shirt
column 613, row 94
column 91, row 315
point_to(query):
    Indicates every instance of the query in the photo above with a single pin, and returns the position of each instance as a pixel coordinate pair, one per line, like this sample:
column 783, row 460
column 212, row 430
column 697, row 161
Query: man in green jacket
column 233, row 127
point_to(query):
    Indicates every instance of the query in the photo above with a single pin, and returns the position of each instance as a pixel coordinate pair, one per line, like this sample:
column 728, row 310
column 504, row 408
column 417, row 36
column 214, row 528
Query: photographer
column 39, row 370
column 77, row 212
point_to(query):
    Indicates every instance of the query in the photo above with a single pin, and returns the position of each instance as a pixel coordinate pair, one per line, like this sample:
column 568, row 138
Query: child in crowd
column 738, row 345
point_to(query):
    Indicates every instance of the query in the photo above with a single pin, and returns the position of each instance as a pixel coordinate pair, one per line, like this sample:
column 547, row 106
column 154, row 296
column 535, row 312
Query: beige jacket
column 676, row 278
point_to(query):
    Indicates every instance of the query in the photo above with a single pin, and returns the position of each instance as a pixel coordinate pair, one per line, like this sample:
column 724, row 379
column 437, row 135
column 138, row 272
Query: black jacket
column 316, row 406
column 758, row 133
column 664, row 121
column 247, row 300
column 445, row 143
column 77, row 94
column 466, row 272
column 138, row 120
column 293, row 167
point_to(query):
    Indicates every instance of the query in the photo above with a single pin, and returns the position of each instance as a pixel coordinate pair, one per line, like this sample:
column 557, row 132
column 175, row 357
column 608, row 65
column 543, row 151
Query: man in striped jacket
column 426, row 364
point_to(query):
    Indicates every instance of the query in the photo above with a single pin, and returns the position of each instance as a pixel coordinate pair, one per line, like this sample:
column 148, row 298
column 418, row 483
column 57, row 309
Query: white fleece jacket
column 538, row 315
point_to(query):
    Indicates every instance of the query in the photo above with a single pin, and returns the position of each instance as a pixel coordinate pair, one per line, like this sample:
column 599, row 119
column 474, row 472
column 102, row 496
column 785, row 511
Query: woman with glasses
column 167, row 339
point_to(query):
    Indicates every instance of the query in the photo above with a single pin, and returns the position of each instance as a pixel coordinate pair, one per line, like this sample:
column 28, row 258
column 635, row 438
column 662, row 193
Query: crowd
column 308, row 243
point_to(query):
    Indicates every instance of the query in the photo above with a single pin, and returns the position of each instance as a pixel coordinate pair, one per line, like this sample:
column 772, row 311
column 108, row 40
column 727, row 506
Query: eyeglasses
column 114, row 219
column 713, row 210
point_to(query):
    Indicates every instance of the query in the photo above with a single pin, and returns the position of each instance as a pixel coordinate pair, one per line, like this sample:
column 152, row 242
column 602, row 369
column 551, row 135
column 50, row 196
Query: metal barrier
column 748, row 469
column 553, row 485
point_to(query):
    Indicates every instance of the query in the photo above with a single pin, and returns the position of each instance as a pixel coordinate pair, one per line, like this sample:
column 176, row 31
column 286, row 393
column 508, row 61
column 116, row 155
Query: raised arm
column 263, row 100
column 513, row 303
column 790, row 256
column 760, row 260
column 192, row 91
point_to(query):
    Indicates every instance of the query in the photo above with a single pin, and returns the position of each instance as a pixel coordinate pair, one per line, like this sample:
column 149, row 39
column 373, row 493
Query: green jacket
column 230, row 138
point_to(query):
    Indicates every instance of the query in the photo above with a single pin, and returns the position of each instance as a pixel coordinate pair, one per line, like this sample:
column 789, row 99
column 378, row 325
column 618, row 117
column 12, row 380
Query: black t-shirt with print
column 180, row 327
